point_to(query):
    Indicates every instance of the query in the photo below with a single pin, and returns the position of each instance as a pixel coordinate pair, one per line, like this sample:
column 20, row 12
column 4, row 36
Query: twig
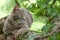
column 17, row 3
column 46, row 35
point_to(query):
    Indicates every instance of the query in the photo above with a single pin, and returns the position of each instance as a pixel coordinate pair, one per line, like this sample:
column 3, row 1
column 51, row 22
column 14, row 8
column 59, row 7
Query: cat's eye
column 15, row 17
column 23, row 18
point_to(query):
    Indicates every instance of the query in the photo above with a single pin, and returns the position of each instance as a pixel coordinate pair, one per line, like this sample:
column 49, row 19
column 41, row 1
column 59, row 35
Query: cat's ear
column 15, row 8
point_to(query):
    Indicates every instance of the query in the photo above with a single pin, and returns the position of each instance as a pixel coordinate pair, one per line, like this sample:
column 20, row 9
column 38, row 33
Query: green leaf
column 46, row 28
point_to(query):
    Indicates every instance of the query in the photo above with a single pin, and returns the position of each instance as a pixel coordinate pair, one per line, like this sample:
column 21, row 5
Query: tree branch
column 17, row 3
column 46, row 35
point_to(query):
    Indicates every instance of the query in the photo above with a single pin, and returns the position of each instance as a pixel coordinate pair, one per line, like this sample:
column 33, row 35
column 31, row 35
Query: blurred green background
column 43, row 12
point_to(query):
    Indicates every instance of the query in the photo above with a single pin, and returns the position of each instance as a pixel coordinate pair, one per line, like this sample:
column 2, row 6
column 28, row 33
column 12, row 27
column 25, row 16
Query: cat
column 19, row 18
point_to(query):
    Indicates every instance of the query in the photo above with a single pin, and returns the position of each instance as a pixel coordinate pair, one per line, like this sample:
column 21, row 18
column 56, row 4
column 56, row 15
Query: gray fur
column 24, row 20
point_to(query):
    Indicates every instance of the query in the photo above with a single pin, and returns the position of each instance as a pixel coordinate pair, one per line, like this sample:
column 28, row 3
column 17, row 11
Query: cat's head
column 18, row 16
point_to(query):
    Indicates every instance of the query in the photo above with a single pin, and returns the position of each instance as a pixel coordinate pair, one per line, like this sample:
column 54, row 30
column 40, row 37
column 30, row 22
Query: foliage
column 43, row 11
